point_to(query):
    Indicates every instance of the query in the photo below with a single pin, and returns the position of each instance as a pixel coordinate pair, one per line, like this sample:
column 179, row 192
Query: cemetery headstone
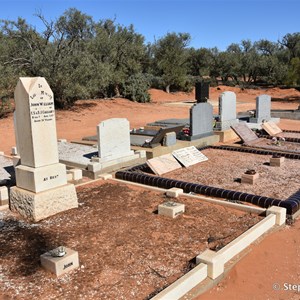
column 41, row 183
column 263, row 109
column 163, row 164
column 271, row 128
column 119, row 146
column 202, row 91
column 201, row 120
column 227, row 110
column 189, row 156
column 245, row 133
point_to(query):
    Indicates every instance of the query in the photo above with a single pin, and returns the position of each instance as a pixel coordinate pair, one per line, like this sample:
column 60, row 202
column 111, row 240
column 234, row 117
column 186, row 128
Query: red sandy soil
column 126, row 250
column 276, row 259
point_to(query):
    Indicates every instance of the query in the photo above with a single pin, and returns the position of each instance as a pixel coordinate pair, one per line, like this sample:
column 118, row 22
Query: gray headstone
column 263, row 108
column 244, row 132
column 114, row 138
column 201, row 120
column 227, row 110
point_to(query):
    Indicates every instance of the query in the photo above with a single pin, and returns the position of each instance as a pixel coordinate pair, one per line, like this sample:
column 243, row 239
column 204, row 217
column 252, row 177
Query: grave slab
column 189, row 156
column 163, row 164
column 245, row 133
column 271, row 128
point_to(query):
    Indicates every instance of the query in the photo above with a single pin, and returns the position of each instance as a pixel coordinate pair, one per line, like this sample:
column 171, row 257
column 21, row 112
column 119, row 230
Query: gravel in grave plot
column 295, row 135
column 126, row 250
column 223, row 169
column 264, row 143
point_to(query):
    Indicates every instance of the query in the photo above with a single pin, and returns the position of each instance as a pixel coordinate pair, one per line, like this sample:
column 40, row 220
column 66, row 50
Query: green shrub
column 136, row 88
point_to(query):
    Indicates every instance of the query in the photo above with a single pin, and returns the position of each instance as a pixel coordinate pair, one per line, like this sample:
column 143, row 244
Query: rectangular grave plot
column 121, row 225
column 223, row 169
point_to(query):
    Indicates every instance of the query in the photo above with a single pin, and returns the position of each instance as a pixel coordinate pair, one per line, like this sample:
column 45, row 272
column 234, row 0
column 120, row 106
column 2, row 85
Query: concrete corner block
column 105, row 176
column 249, row 179
column 277, row 161
column 214, row 262
column 171, row 209
column 174, row 192
column 75, row 173
column 3, row 195
column 60, row 265
column 141, row 153
column 69, row 177
column 94, row 167
column 280, row 213
column 1, row 153
column 62, row 140
column 14, row 151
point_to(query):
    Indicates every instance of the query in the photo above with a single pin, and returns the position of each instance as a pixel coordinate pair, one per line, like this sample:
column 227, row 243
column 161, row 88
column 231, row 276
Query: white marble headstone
column 263, row 108
column 114, row 138
column 227, row 110
column 227, row 106
column 35, row 122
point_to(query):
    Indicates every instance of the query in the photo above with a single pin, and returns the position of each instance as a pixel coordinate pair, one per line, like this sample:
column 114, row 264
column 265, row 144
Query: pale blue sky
column 215, row 23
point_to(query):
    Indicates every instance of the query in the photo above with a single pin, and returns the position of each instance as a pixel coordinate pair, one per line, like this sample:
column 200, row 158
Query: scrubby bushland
column 84, row 59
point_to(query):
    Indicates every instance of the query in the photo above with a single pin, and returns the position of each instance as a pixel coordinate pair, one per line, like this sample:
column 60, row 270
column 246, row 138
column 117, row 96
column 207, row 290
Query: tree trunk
column 168, row 89
column 117, row 91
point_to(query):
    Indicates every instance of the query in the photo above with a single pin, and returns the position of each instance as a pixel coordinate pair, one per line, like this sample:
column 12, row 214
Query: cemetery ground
column 274, row 260
column 127, row 250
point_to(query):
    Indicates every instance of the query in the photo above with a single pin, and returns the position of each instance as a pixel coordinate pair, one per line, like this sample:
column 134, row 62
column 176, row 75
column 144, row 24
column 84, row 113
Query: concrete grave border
column 211, row 265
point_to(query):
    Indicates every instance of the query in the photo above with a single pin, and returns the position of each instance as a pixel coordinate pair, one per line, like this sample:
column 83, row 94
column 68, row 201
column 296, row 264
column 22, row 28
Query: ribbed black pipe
column 294, row 131
column 291, row 205
column 257, row 151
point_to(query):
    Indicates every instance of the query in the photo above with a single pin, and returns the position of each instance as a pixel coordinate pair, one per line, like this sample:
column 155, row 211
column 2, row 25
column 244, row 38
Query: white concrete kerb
column 216, row 260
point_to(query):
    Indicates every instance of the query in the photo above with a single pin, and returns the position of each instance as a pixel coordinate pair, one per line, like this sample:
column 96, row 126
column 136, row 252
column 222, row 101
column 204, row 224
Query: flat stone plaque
column 244, row 132
column 189, row 156
column 163, row 164
column 271, row 128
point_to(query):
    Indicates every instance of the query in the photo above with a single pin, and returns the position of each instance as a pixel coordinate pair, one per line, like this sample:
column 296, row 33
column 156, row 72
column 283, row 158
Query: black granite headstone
column 202, row 91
